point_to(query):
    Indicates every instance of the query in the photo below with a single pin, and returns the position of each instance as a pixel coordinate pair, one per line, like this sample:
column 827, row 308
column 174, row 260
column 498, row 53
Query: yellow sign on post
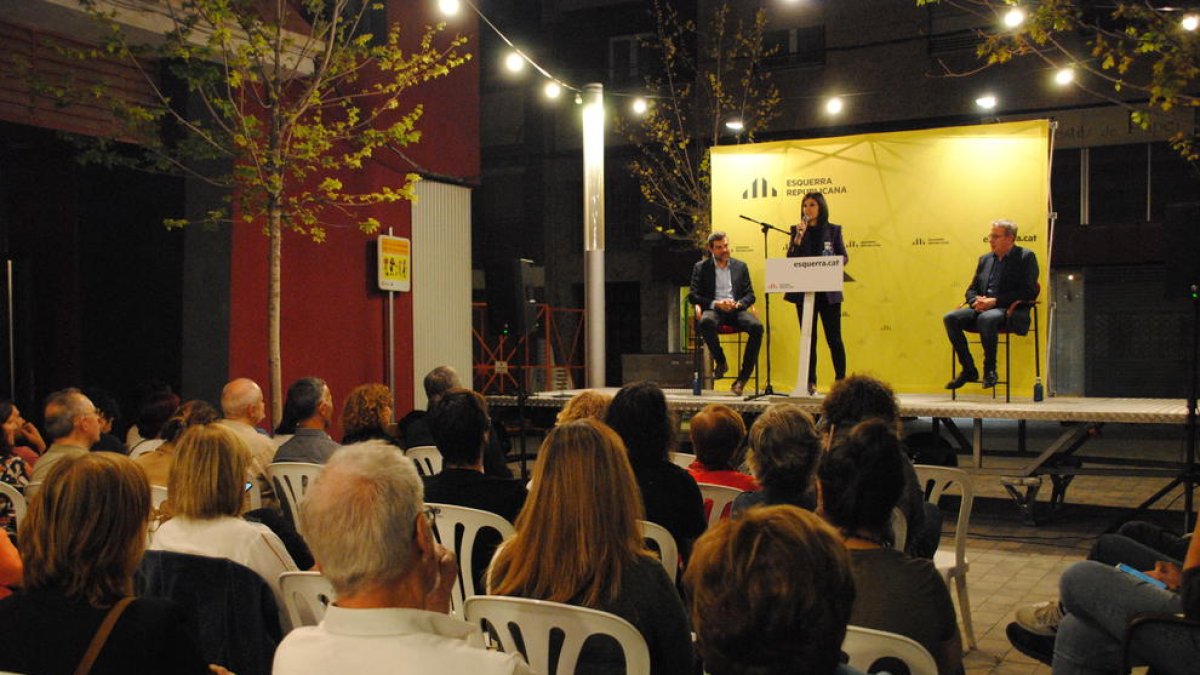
column 395, row 263
column 916, row 208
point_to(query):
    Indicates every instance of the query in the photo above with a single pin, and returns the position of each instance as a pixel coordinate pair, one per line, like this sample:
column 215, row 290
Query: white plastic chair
column 305, row 597
column 427, row 458
column 292, row 480
column 865, row 646
column 899, row 529
column 668, row 551
column 537, row 620
column 682, row 459
column 953, row 564
column 456, row 528
column 145, row 447
column 17, row 500
column 718, row 500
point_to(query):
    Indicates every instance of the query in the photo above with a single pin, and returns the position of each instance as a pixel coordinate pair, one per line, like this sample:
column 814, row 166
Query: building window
column 795, row 47
column 953, row 30
column 628, row 58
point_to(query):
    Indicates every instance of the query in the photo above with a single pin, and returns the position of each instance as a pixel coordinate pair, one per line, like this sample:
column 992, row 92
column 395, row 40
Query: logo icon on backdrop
column 932, row 241
column 758, row 189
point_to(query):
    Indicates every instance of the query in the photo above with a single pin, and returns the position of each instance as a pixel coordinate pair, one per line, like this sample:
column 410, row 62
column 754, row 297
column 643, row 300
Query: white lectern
column 808, row 276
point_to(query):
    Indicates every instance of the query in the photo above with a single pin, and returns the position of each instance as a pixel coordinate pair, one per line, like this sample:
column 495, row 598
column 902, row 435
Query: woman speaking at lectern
column 815, row 236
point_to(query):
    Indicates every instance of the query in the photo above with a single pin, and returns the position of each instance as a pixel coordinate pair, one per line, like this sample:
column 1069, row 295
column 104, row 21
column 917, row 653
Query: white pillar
column 593, row 230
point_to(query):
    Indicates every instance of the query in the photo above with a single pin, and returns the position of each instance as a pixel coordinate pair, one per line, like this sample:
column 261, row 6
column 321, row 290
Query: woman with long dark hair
column 814, row 235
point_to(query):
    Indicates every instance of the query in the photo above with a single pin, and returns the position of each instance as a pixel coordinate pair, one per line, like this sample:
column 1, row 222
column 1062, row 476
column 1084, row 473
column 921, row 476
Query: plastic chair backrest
column 31, row 489
column 305, row 597
column 682, row 459
column 668, row 551
column 865, row 646
column 456, row 528
column 16, row 499
column 934, row 481
column 427, row 458
column 537, row 620
column 899, row 529
column 292, row 480
column 718, row 500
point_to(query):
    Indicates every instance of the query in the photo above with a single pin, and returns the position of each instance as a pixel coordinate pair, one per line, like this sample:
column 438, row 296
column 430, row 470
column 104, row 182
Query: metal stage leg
column 1025, row 502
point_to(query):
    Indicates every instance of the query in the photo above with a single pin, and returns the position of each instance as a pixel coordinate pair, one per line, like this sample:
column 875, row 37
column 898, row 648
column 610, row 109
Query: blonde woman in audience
column 578, row 542
column 718, row 433
column 770, row 594
column 208, row 494
column 80, row 543
column 157, row 462
column 587, row 403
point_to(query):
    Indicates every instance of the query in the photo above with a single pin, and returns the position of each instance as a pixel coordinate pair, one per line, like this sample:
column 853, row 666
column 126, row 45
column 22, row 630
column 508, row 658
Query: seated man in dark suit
column 721, row 286
column 1006, row 275
column 460, row 425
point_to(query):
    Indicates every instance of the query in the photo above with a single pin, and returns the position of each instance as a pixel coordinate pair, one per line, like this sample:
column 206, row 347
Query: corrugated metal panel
column 441, row 273
column 32, row 48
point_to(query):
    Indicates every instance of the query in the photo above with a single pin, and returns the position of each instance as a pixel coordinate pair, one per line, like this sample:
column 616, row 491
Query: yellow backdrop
column 916, row 208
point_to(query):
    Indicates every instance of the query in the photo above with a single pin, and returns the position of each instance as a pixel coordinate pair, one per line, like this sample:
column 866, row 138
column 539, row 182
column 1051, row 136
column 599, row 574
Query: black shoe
column 720, row 369
column 963, row 378
column 739, row 385
column 990, row 379
column 1040, row 647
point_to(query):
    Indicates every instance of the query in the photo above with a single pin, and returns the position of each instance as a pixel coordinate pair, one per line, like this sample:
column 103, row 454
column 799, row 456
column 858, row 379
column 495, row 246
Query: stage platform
column 1081, row 419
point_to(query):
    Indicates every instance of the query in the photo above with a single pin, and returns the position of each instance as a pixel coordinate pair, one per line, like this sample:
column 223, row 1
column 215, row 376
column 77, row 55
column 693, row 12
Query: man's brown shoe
column 738, row 386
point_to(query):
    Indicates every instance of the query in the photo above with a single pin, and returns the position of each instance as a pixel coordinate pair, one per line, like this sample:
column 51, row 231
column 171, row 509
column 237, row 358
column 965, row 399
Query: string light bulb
column 735, row 124
column 639, row 106
column 514, row 62
column 1064, row 76
column 552, row 89
column 1014, row 17
column 834, row 105
column 449, row 7
column 987, row 101
column 1190, row 22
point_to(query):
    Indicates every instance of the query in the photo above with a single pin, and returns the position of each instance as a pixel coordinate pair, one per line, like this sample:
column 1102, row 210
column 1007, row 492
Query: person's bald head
column 242, row 399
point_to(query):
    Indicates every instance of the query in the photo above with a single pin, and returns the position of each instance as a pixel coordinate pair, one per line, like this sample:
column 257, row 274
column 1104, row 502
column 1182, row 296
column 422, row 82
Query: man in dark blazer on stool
column 721, row 286
column 1006, row 275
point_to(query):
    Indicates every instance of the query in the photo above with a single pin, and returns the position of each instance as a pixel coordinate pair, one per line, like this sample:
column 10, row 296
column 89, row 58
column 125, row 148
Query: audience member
column 207, row 490
column 862, row 479
column 459, row 422
column 72, row 426
column 243, row 407
column 153, row 412
column 1099, row 601
column 11, row 571
column 784, row 451
column 718, row 434
column 110, row 415
column 367, row 415
column 587, row 403
column 862, row 397
column 639, row 415
column 1139, row 544
column 157, row 463
column 414, row 428
column 578, row 542
column 310, row 403
column 770, row 593
column 14, row 470
column 80, row 544
column 22, row 435
column 368, row 527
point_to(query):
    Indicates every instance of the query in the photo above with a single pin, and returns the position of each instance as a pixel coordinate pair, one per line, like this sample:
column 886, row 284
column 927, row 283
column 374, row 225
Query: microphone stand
column 766, row 227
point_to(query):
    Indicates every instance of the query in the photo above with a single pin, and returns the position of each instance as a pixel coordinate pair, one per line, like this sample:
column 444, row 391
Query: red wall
column 333, row 316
